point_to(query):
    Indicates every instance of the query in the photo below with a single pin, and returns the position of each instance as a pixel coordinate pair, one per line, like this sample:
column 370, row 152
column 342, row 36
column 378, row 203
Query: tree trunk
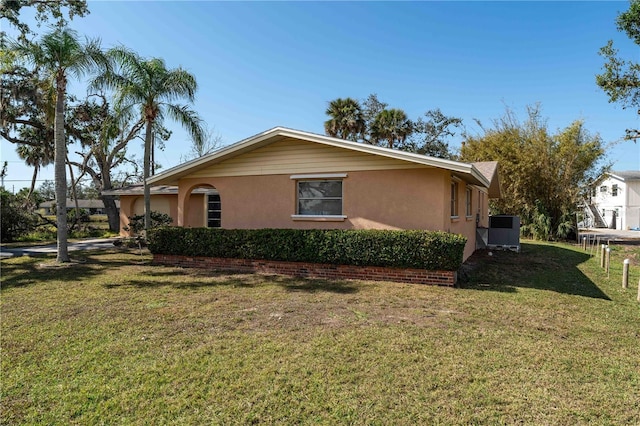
column 74, row 197
column 147, row 191
column 60, row 175
column 110, row 208
column 33, row 182
column 112, row 212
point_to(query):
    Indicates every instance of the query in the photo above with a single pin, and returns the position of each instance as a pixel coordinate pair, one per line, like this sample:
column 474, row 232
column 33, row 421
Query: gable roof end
column 173, row 175
column 489, row 169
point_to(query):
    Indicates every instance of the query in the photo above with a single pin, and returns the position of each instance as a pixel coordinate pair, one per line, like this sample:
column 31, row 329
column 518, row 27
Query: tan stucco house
column 285, row 178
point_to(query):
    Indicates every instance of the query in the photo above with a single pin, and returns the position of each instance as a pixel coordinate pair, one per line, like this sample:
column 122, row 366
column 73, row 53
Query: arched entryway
column 201, row 206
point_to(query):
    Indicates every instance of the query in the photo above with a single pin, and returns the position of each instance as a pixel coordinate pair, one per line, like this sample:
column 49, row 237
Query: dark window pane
column 320, row 189
column 320, row 207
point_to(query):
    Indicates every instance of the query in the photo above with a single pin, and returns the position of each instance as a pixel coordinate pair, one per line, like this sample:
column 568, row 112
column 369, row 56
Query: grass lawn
column 540, row 337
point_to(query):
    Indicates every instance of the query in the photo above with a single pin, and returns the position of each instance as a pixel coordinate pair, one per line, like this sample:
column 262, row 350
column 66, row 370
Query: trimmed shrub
column 401, row 249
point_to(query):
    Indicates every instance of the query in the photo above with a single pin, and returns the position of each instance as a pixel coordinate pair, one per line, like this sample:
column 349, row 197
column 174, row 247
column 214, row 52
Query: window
column 603, row 188
column 614, row 191
column 319, row 198
column 214, row 211
column 454, row 199
column 469, row 200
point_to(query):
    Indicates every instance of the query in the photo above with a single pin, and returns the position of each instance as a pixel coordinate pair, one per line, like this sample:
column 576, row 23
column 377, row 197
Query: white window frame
column 454, row 199
column 338, row 177
column 469, row 202
column 207, row 211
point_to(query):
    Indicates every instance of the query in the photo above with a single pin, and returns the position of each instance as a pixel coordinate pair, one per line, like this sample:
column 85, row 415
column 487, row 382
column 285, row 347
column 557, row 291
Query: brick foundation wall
column 311, row 270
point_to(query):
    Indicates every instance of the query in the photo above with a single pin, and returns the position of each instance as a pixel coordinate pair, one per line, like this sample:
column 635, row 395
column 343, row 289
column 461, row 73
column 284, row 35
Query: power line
column 84, row 179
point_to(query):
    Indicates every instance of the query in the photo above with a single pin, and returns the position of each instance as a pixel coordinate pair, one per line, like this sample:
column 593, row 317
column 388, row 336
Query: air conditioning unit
column 504, row 232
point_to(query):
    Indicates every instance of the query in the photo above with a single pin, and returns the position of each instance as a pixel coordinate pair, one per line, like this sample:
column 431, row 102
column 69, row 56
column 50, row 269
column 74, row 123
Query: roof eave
column 172, row 176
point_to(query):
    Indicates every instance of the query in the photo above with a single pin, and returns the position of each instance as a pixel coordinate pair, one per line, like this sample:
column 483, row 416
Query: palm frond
column 188, row 119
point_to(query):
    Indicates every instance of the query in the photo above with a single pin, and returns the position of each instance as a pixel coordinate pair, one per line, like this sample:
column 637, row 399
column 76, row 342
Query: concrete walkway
column 92, row 244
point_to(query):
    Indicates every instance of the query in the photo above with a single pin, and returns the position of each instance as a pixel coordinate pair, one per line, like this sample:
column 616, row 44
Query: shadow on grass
column 39, row 269
column 22, row 271
column 315, row 285
column 538, row 266
column 195, row 279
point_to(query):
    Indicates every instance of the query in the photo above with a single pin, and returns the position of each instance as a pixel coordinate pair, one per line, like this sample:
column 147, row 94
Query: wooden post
column 584, row 243
column 602, row 252
column 608, row 260
column 625, row 273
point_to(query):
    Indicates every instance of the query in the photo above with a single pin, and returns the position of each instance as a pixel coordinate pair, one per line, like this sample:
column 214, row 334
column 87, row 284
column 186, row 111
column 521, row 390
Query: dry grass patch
column 542, row 337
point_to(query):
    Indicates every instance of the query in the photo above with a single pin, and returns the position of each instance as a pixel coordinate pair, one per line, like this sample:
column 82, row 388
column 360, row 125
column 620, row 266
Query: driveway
column 92, row 244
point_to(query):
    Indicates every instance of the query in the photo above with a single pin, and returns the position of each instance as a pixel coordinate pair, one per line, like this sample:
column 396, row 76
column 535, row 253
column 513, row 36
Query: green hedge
column 403, row 249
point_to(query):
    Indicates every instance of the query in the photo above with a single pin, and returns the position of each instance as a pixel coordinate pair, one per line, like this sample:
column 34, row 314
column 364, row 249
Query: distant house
column 92, row 206
column 285, row 178
column 617, row 200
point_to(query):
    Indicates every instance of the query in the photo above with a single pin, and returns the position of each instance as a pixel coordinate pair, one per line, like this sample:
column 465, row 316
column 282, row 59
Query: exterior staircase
column 596, row 217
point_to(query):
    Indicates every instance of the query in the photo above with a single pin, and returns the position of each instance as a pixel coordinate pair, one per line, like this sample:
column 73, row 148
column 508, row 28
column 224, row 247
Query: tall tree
column 36, row 156
column 620, row 78
column 103, row 134
column 429, row 134
column 371, row 108
column 61, row 54
column 393, row 127
column 543, row 176
column 373, row 123
column 209, row 143
column 45, row 9
column 347, row 121
column 148, row 85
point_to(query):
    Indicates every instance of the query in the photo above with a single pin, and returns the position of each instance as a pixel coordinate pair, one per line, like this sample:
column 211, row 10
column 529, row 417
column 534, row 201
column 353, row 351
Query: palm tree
column 36, row 157
column 346, row 120
column 147, row 84
column 392, row 126
column 60, row 54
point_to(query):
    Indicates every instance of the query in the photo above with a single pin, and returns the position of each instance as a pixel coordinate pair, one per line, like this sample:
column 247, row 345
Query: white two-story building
column 617, row 199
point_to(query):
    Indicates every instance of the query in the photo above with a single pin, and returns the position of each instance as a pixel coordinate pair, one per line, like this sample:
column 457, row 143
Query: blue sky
column 266, row 64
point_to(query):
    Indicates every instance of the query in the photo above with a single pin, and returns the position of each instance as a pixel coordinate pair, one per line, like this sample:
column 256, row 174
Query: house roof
column 626, row 175
column 83, row 204
column 467, row 171
column 489, row 170
column 138, row 189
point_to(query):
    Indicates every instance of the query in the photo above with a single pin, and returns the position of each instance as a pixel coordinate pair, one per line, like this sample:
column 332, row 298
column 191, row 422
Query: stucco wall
column 381, row 199
column 387, row 199
column 132, row 205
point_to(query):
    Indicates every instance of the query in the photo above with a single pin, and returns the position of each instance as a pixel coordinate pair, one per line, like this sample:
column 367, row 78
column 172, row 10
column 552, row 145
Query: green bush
column 136, row 223
column 83, row 215
column 403, row 249
column 16, row 217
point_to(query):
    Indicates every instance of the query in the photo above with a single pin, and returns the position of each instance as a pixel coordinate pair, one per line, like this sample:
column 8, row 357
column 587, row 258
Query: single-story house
column 617, row 200
column 284, row 178
column 92, row 206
